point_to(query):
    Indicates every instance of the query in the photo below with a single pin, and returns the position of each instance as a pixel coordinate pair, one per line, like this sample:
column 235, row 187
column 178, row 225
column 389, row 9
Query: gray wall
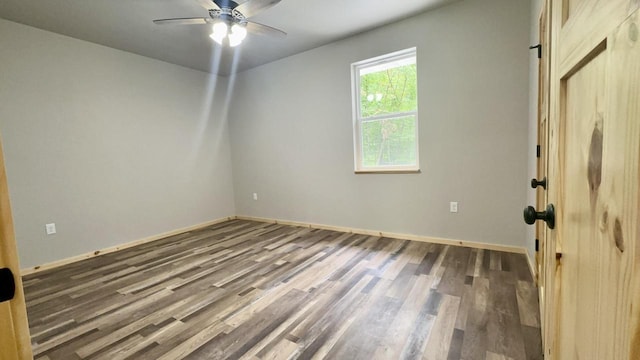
column 110, row 146
column 291, row 131
column 95, row 137
column 536, row 7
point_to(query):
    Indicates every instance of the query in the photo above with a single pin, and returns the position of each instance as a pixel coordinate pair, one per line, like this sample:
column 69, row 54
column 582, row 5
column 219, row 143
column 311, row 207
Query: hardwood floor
column 253, row 290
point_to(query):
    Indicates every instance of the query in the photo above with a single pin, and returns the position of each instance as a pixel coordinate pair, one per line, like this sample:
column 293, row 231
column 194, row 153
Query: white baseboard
column 436, row 240
column 54, row 264
column 429, row 239
column 532, row 266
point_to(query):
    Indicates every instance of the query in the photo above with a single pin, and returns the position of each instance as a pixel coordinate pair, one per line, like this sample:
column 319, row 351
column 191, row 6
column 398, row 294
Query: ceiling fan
column 225, row 15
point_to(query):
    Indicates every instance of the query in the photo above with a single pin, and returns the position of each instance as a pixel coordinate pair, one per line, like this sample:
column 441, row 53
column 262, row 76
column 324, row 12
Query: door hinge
column 539, row 47
column 537, row 151
column 537, row 245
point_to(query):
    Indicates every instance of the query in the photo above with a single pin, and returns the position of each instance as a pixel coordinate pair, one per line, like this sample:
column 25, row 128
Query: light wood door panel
column 15, row 342
column 581, row 241
column 594, row 152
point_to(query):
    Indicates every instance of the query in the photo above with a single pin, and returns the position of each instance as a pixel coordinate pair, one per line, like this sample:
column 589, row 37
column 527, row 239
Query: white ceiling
column 127, row 25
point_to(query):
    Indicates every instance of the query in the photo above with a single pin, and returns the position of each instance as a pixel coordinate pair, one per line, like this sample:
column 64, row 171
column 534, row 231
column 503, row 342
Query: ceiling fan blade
column 258, row 28
column 182, row 21
column 253, row 7
column 208, row 4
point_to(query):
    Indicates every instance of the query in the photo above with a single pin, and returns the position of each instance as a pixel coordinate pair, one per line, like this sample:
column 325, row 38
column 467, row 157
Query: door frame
column 13, row 313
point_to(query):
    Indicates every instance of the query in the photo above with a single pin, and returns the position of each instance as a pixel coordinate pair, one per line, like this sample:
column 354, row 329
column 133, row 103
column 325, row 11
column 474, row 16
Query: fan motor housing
column 229, row 4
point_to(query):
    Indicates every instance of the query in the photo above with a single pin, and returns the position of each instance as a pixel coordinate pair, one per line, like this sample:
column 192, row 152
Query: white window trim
column 357, row 119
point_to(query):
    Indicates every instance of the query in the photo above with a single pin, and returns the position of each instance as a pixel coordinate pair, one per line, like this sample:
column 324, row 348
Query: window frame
column 358, row 120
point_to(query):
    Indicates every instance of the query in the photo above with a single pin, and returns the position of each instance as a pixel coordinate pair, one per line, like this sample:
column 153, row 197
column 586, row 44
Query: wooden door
column 543, row 135
column 15, row 341
column 594, row 155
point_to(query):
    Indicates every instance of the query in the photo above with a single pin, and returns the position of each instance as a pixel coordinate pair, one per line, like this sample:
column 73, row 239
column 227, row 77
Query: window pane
column 389, row 142
column 388, row 88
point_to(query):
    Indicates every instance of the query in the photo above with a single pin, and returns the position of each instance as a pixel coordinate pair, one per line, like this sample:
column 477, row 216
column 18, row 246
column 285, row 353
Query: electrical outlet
column 255, row 196
column 453, row 206
column 51, row 228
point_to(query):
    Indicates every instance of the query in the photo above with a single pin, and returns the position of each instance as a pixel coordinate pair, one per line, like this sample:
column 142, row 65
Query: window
column 385, row 111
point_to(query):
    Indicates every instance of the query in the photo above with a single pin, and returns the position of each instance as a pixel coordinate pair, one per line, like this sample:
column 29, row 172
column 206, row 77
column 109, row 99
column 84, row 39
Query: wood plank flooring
column 250, row 290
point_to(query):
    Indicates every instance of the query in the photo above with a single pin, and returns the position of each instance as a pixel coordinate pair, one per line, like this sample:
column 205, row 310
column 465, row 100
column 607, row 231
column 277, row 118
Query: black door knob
column 535, row 183
column 549, row 215
column 7, row 285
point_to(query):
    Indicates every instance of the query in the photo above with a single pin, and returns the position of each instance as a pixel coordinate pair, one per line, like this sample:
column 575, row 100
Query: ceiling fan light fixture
column 238, row 31
column 229, row 20
column 220, row 28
